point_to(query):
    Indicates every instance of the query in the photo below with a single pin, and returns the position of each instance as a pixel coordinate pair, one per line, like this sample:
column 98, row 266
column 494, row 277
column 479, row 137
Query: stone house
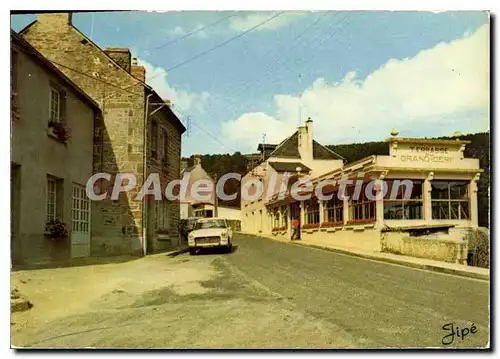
column 193, row 207
column 140, row 135
column 45, row 183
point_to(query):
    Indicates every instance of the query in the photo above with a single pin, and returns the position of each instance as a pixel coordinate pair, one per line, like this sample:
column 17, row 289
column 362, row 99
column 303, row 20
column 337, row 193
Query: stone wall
column 116, row 226
column 441, row 247
column 168, row 170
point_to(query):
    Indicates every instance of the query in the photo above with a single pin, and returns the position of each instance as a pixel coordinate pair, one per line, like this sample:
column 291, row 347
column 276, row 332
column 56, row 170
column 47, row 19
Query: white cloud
column 439, row 91
column 245, row 22
column 183, row 100
column 179, row 31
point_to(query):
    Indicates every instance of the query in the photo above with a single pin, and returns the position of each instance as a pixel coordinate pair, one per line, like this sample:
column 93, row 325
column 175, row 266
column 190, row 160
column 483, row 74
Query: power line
column 220, row 45
column 94, row 78
column 280, row 64
column 282, row 54
column 194, row 32
column 191, row 122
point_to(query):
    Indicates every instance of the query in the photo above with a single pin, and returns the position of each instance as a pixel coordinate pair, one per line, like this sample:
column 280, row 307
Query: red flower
column 361, row 221
column 332, row 224
column 310, row 225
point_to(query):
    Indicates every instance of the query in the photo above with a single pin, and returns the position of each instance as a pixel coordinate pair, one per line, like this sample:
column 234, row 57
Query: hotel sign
column 427, row 154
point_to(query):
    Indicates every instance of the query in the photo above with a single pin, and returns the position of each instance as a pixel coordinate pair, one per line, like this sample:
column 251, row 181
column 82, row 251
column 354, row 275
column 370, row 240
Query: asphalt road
column 265, row 294
column 372, row 303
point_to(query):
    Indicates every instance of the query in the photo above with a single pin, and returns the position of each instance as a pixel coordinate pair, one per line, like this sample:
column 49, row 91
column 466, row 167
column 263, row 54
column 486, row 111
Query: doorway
column 80, row 221
column 295, row 215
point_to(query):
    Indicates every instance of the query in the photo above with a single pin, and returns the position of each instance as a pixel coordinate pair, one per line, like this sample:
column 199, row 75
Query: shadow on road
column 75, row 262
column 215, row 250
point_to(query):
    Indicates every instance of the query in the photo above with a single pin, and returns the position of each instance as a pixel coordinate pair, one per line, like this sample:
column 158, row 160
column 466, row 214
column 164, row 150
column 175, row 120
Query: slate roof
column 289, row 166
column 321, row 152
column 289, row 148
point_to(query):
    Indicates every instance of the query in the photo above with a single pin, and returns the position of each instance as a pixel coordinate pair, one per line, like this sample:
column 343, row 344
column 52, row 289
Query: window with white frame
column 407, row 200
column 276, row 218
column 334, row 209
column 311, row 211
column 450, row 199
column 55, row 106
column 51, row 198
column 80, row 211
column 284, row 216
column 362, row 208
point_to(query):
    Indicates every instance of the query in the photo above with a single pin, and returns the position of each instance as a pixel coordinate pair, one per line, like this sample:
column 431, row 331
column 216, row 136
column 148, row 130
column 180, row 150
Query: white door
column 80, row 218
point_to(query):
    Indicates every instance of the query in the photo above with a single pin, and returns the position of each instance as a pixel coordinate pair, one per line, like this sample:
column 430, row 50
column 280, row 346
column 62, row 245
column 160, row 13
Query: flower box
column 59, row 131
column 56, row 230
column 332, row 224
column 361, row 221
column 278, row 229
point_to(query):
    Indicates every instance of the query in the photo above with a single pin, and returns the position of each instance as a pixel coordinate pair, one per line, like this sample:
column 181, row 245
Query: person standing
column 295, row 227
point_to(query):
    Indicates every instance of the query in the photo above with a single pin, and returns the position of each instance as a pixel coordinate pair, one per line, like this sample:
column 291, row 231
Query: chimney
column 121, row 55
column 197, row 160
column 139, row 72
column 58, row 21
column 306, row 141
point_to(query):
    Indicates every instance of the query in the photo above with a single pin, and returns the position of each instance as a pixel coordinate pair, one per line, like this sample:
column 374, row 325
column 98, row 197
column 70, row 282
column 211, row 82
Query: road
column 266, row 294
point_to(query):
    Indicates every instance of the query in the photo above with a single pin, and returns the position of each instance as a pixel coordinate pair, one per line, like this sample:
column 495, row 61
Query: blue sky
column 357, row 74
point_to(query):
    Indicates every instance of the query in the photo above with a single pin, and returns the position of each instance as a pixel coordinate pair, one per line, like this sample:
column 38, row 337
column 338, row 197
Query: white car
column 209, row 233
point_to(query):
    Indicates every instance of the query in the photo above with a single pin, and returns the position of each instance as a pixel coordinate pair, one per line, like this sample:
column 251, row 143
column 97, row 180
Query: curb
column 428, row 267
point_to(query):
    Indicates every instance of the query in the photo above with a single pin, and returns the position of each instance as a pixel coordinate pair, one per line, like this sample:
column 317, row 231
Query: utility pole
column 263, row 147
column 216, row 198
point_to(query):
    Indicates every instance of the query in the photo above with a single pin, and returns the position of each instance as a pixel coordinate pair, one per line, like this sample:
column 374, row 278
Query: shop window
column 404, row 200
column 311, row 211
column 450, row 200
column 334, row 209
column 276, row 218
column 362, row 208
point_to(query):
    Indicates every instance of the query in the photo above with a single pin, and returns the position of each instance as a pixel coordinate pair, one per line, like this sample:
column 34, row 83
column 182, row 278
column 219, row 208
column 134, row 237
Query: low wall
column 442, row 247
column 349, row 237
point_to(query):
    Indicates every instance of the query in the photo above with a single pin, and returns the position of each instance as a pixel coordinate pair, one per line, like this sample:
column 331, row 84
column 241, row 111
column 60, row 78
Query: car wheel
column 192, row 251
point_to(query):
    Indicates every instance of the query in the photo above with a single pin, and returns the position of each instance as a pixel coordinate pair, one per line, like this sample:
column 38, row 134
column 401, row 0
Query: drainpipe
column 145, row 162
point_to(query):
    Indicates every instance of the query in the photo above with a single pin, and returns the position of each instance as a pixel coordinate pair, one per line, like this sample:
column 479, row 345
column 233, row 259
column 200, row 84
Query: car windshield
column 210, row 224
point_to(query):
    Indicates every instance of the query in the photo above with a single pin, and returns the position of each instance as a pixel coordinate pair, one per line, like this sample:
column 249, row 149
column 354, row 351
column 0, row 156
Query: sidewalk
column 414, row 262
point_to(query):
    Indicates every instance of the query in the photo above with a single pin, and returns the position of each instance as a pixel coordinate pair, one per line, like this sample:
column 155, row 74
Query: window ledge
column 310, row 230
column 360, row 226
column 51, row 134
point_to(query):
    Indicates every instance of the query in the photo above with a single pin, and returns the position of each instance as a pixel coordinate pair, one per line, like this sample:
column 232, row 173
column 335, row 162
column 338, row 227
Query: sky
column 241, row 78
